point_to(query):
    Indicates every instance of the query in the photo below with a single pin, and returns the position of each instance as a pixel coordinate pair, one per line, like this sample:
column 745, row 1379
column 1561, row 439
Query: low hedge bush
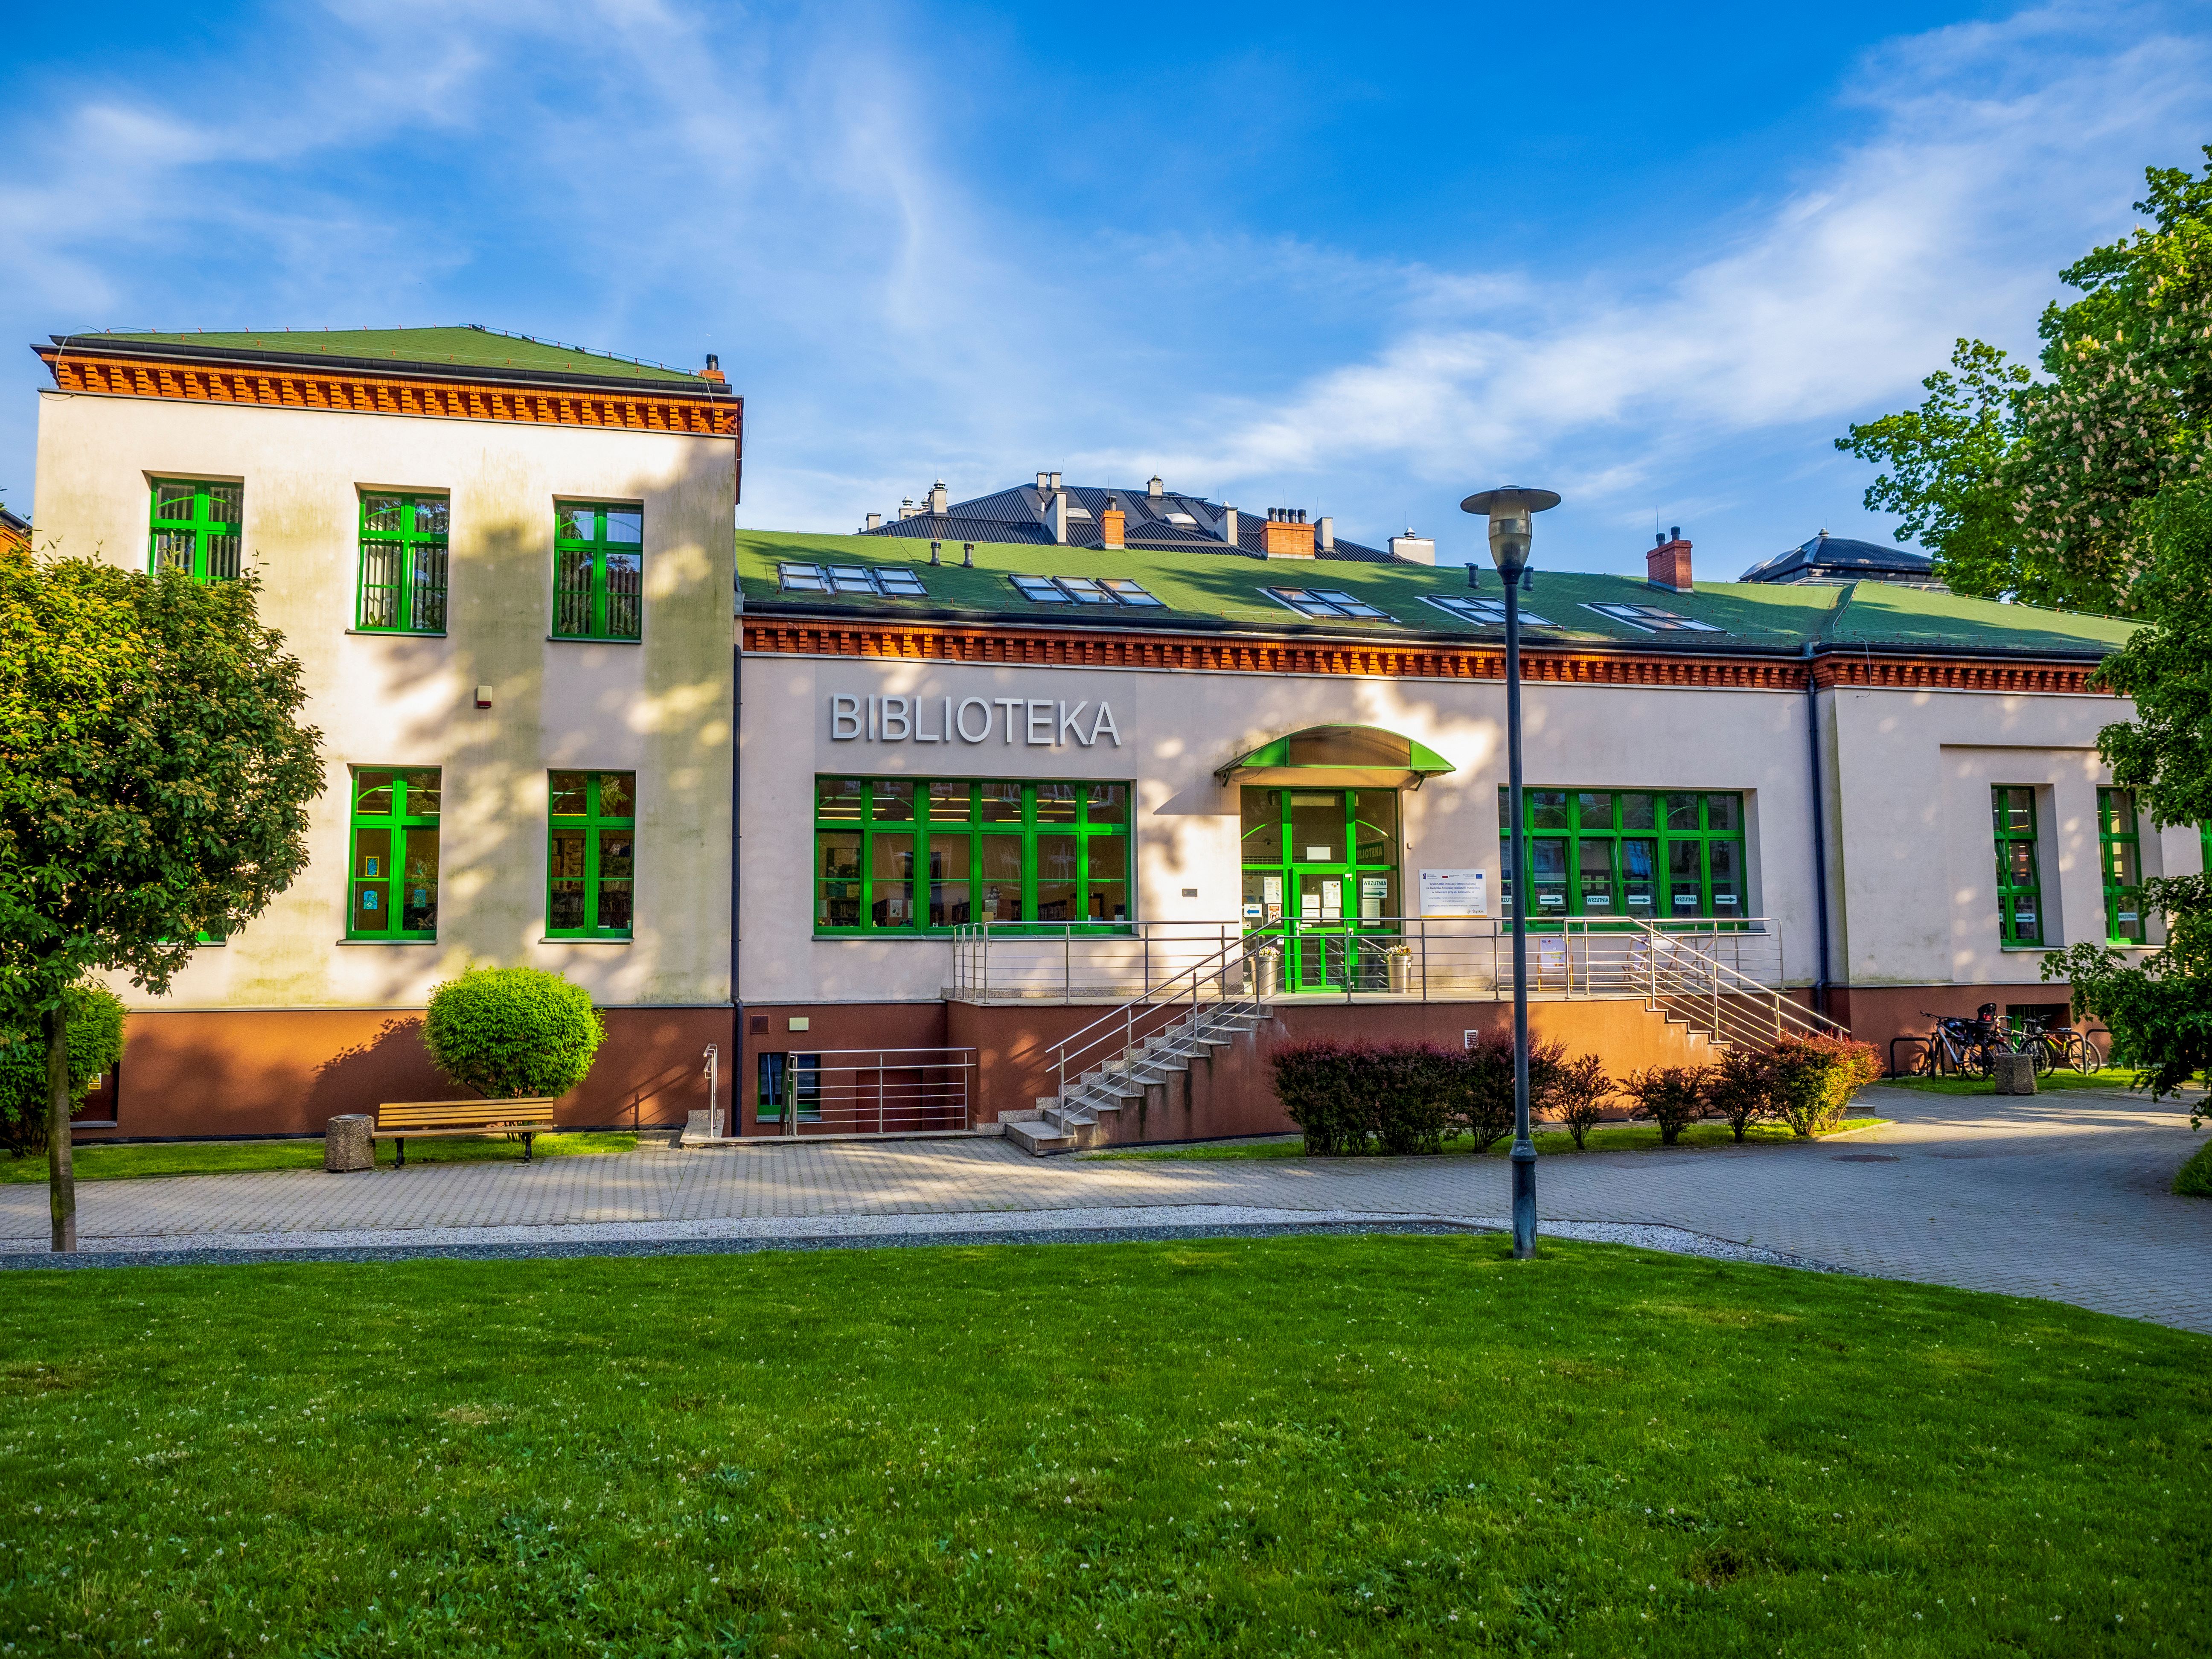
column 2194, row 1178
column 1579, row 1091
column 1321, row 1085
column 509, row 1032
column 1740, row 1087
column 1813, row 1078
column 1672, row 1096
column 1484, row 1100
column 95, row 1043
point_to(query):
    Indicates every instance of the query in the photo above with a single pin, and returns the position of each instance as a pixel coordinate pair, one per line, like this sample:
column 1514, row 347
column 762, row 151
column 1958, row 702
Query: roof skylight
column 1082, row 590
column 1654, row 620
column 1487, row 613
column 1323, row 602
column 890, row 581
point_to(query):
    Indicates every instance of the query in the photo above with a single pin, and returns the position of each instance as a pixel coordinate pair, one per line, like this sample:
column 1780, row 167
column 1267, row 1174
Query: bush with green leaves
column 1672, row 1096
column 95, row 1043
column 1577, row 1096
column 1813, row 1079
column 512, row 1032
column 1414, row 1084
column 2194, row 1178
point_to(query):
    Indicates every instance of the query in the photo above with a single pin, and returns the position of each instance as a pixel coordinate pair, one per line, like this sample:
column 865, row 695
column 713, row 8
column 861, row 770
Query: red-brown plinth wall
column 1878, row 1013
column 289, row 1070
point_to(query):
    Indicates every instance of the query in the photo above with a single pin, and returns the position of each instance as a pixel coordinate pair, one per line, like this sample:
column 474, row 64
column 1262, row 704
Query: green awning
column 1352, row 756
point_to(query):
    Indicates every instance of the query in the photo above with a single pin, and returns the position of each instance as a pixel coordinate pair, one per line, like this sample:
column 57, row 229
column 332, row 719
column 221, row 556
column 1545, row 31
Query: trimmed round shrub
column 95, row 1043
column 511, row 1032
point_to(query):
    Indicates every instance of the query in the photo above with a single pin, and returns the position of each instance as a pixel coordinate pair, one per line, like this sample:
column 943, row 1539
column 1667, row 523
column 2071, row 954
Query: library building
column 1048, row 813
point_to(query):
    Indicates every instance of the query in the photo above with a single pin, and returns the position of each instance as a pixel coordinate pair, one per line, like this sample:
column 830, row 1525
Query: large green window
column 196, row 528
column 592, row 856
column 908, row 855
column 598, row 571
column 403, row 564
column 1648, row 854
column 2019, row 879
column 2119, row 848
column 394, row 890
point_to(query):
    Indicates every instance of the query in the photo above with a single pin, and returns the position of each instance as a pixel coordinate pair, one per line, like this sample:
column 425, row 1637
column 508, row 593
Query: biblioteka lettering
column 1044, row 724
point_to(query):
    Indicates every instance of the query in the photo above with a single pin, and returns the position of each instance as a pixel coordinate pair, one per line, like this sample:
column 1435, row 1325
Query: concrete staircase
column 1085, row 1115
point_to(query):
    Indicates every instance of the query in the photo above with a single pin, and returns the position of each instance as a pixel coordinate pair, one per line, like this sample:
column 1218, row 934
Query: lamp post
column 1509, row 510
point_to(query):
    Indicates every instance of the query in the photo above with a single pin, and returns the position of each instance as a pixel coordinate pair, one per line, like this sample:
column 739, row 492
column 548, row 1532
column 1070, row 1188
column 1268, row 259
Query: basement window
column 1323, row 602
column 1653, row 620
column 1487, row 613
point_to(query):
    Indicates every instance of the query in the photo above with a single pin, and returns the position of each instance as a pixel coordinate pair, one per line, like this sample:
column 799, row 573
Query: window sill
column 586, row 639
column 588, row 939
column 387, row 941
column 398, row 633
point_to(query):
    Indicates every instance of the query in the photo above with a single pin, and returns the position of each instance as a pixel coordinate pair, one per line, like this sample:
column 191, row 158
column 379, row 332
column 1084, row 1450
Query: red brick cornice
column 282, row 385
column 1955, row 674
column 1113, row 649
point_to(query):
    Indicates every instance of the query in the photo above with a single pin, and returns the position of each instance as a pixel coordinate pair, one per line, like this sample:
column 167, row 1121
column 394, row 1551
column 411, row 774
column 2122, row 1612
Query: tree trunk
column 60, row 1108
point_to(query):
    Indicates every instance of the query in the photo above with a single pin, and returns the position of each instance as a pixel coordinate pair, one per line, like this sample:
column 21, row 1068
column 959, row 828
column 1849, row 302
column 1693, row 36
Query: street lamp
column 1509, row 510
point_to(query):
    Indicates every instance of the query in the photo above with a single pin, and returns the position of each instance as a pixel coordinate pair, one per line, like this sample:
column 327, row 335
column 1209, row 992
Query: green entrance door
column 1321, row 874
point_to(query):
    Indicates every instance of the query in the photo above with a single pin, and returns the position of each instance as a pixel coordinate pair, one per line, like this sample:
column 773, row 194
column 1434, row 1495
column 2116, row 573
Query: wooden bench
column 397, row 1119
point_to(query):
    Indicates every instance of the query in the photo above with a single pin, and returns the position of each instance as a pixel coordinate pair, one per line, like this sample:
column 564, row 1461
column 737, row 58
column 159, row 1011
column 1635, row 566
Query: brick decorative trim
column 860, row 638
column 290, row 387
column 1955, row 674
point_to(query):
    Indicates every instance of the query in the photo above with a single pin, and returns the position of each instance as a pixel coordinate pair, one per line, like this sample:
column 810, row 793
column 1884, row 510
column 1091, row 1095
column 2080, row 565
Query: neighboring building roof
column 1198, row 591
column 1168, row 521
column 479, row 352
column 1836, row 558
column 14, row 529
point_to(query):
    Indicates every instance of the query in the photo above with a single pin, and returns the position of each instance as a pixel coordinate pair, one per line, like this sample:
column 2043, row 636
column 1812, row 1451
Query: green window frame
column 392, row 891
column 923, row 856
column 1646, row 855
column 2020, row 875
column 195, row 528
column 2120, row 855
column 591, row 862
column 403, row 563
column 598, row 570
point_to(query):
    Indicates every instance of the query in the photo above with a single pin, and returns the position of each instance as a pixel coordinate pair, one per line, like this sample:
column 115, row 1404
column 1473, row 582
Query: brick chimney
column 1669, row 563
column 1288, row 536
column 714, row 370
column 1112, row 521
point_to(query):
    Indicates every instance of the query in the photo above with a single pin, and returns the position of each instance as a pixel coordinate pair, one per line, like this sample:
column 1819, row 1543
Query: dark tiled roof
column 1022, row 515
column 1843, row 559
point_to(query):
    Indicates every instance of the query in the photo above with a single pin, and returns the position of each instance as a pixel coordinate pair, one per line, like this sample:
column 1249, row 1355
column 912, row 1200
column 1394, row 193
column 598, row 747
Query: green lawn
column 94, row 1162
column 1605, row 1138
column 2112, row 1078
column 1361, row 1445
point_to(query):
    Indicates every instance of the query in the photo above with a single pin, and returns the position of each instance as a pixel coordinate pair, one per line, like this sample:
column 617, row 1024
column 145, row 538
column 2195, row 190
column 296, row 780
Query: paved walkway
column 2062, row 1196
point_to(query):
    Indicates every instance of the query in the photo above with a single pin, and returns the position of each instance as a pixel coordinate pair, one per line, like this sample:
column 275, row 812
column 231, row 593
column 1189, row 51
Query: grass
column 2112, row 1078
column 1603, row 1138
column 1333, row 1445
column 2194, row 1178
column 95, row 1162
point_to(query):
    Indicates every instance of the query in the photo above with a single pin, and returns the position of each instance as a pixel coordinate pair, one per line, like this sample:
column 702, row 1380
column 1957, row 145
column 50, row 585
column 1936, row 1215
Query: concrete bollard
column 2015, row 1073
column 347, row 1144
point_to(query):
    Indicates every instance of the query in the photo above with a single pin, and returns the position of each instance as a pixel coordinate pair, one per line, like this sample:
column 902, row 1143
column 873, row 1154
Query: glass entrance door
column 1321, row 874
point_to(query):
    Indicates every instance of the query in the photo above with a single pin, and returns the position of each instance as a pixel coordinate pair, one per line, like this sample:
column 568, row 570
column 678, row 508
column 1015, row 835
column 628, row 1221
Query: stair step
column 1038, row 1138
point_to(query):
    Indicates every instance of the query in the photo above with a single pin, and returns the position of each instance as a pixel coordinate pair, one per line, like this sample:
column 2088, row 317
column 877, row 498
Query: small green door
column 1321, row 874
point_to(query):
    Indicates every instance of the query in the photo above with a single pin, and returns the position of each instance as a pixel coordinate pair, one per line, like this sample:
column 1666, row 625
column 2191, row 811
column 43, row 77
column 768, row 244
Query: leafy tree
column 154, row 786
column 2160, row 1012
column 2125, row 409
column 95, row 1043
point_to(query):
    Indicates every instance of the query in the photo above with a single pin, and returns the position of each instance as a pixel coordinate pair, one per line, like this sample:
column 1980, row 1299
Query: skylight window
column 890, row 581
column 1323, row 602
column 1486, row 613
column 1654, row 620
column 1083, row 590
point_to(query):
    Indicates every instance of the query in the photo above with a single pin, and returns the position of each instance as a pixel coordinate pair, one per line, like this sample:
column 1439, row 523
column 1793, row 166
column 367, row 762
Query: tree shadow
column 393, row 1065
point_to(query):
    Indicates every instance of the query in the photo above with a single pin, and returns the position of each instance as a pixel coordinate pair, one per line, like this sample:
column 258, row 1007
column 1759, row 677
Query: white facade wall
column 660, row 707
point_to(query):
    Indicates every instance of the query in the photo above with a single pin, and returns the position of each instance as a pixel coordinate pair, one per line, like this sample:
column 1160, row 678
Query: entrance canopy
column 1345, row 756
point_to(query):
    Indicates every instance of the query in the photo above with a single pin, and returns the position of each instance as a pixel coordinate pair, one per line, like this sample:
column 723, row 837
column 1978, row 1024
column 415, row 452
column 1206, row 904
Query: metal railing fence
column 874, row 1091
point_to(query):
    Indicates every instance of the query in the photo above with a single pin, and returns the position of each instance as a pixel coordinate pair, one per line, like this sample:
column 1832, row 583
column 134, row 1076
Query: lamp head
column 1509, row 510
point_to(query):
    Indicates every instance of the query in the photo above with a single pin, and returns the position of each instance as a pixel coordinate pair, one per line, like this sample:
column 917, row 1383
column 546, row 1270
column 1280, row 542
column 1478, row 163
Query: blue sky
column 1653, row 258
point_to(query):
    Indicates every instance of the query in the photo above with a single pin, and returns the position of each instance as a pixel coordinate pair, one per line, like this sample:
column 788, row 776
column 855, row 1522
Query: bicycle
column 1964, row 1048
column 2059, row 1048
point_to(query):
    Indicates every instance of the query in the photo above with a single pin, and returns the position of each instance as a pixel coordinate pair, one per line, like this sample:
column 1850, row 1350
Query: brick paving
column 2064, row 1196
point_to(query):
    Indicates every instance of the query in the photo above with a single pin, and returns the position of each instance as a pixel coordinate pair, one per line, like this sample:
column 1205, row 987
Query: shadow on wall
column 392, row 1065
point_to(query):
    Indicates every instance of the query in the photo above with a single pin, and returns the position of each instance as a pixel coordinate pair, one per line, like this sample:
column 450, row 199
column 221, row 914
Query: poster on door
column 1455, row 893
column 1332, row 899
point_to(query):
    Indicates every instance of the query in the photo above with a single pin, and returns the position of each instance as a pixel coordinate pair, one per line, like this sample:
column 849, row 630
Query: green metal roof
column 1218, row 592
column 437, row 348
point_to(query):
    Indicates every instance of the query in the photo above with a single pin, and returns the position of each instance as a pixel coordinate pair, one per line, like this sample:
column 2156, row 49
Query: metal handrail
column 942, row 1098
column 1168, row 995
